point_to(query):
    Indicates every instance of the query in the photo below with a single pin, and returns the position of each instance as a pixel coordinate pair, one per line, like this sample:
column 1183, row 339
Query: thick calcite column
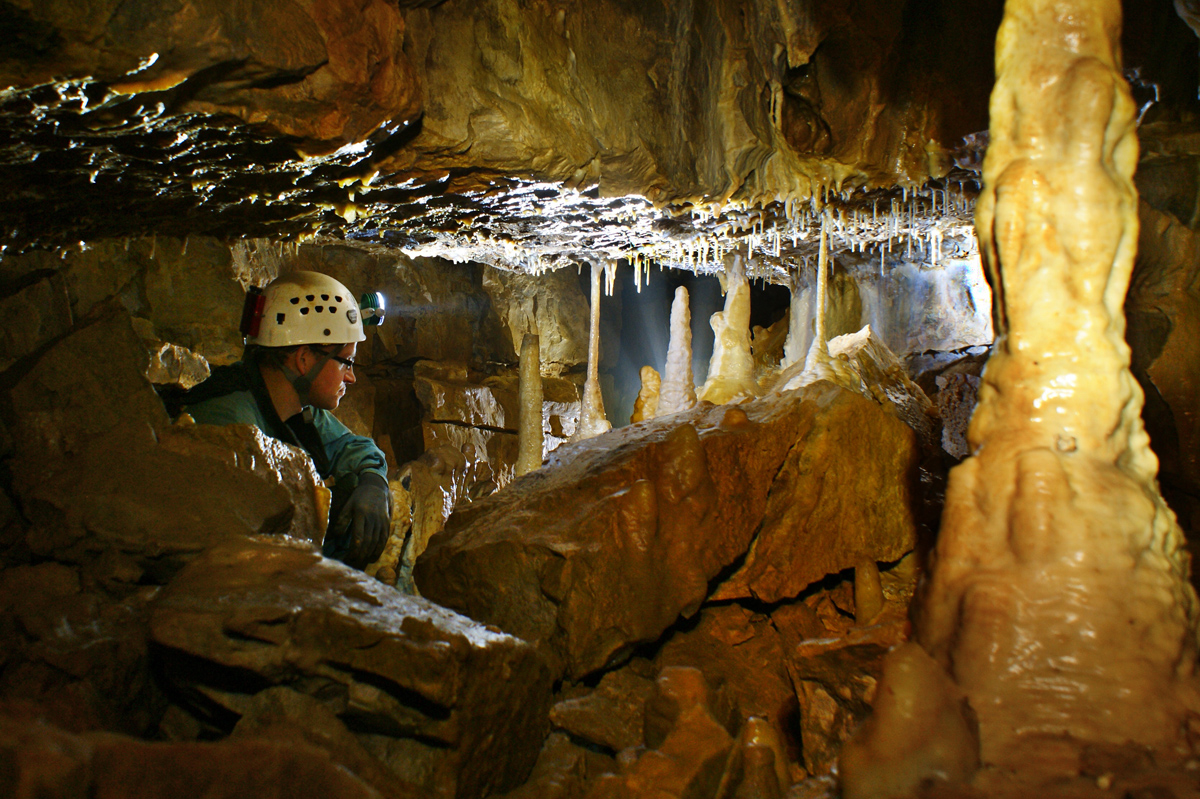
column 731, row 368
column 1059, row 598
column 592, row 421
column 529, row 413
column 678, row 390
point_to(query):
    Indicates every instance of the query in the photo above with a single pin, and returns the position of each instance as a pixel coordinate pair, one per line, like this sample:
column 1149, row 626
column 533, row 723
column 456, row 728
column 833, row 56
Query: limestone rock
column 610, row 542
column 743, row 652
column 612, row 716
column 282, row 715
column 260, row 614
column 688, row 762
column 956, row 400
column 437, row 310
column 301, row 69
column 835, row 681
column 48, row 762
column 65, row 399
column 561, row 772
column 816, row 520
column 1163, row 307
column 31, row 317
column 550, row 305
column 173, row 365
column 168, row 499
column 74, row 651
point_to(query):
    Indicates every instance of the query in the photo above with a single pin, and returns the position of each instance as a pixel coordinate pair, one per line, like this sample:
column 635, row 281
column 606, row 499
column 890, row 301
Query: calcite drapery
column 1059, row 599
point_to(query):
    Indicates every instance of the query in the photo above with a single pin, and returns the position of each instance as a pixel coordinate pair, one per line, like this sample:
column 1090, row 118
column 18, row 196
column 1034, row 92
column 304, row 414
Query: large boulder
column 606, row 546
column 844, row 494
column 448, row 704
column 164, row 499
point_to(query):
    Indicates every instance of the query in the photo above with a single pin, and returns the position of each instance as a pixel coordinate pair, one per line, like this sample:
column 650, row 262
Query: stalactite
column 1058, row 600
column 530, row 440
column 678, row 391
column 592, row 421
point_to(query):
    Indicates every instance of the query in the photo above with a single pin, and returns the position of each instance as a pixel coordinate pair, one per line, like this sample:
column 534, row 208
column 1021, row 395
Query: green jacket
column 236, row 395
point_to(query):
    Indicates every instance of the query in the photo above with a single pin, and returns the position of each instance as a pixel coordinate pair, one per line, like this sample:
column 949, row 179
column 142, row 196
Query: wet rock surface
column 605, row 548
column 246, row 617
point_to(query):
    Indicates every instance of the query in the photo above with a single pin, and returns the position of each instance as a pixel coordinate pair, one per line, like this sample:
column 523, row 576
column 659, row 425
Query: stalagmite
column 646, row 404
column 678, row 392
column 731, row 368
column 529, row 414
column 592, row 421
column 1059, row 599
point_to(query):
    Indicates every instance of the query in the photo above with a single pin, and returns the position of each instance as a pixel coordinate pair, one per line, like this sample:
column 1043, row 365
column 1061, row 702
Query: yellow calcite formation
column 1059, row 600
column 678, row 391
column 646, row 404
column 731, row 368
column 592, row 421
column 529, row 414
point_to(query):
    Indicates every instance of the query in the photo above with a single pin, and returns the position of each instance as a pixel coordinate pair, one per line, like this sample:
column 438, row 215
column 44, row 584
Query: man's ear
column 301, row 355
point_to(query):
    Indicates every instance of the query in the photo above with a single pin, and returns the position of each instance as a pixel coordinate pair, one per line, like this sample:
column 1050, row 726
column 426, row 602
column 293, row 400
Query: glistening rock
column 606, row 546
column 466, row 704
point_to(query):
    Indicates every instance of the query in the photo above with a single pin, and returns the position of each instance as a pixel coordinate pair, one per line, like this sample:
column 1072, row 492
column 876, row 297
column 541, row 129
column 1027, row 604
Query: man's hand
column 367, row 518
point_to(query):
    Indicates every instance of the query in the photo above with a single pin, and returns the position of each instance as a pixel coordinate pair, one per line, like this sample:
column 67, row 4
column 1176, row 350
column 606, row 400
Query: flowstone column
column 1058, row 598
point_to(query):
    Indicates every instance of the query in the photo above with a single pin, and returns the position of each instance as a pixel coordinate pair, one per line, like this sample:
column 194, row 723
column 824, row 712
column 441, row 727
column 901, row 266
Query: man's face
column 330, row 384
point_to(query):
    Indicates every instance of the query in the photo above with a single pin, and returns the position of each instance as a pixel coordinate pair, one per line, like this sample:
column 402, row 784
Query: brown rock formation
column 471, row 703
column 605, row 547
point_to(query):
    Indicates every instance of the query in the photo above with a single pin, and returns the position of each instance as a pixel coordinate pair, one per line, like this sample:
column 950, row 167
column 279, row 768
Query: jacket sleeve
column 348, row 453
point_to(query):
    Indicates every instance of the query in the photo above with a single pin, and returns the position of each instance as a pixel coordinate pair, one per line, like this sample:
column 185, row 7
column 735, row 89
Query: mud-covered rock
column 463, row 702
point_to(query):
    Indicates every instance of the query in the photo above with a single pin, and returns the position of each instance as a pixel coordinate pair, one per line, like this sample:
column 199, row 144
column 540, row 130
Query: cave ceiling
column 525, row 134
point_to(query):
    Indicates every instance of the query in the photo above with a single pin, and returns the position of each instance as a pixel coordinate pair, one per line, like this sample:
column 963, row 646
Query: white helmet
column 302, row 308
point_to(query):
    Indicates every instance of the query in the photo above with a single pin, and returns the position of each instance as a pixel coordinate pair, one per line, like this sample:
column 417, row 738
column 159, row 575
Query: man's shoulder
column 237, row 406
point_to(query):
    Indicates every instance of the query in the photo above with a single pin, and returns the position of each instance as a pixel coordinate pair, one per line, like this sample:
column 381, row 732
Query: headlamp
column 372, row 307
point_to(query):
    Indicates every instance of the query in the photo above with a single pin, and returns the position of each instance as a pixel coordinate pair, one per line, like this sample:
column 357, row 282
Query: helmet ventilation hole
column 295, row 300
column 304, row 311
column 325, row 297
column 279, row 318
column 327, row 331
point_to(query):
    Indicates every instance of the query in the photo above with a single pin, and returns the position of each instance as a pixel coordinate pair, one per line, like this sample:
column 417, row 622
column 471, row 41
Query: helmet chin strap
column 302, row 383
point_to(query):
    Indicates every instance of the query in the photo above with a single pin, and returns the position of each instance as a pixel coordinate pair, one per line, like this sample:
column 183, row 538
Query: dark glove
column 366, row 519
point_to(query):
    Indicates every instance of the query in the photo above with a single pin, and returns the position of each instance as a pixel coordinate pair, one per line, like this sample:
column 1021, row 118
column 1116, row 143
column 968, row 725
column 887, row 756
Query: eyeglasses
column 346, row 363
